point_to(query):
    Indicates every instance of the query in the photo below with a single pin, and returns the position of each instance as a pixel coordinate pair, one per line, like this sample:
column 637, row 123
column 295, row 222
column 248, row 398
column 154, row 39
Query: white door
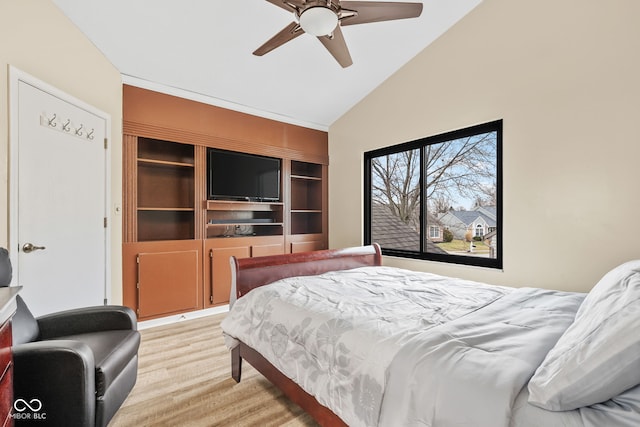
column 59, row 235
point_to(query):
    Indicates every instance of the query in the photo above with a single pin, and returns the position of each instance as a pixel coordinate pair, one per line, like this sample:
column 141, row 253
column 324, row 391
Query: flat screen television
column 239, row 176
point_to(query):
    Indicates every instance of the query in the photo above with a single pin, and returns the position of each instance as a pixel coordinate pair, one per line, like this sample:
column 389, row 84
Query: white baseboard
column 182, row 317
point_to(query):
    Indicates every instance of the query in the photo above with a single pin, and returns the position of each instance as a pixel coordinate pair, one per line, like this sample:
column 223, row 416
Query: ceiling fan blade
column 287, row 4
column 375, row 11
column 337, row 47
column 288, row 33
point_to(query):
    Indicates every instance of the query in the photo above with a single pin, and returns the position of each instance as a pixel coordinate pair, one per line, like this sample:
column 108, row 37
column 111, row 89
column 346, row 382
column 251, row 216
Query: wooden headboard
column 250, row 273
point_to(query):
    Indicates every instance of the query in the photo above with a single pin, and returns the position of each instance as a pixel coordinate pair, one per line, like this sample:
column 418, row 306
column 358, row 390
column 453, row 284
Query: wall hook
column 79, row 130
column 52, row 121
column 66, row 127
column 90, row 134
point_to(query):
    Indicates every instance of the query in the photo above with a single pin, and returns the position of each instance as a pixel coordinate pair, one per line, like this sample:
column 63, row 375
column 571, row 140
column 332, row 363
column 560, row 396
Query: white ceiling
column 205, row 47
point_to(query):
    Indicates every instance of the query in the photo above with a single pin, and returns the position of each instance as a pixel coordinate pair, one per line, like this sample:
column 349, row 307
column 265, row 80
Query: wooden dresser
column 7, row 309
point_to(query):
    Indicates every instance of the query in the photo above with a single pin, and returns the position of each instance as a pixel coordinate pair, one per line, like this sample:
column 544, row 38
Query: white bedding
column 386, row 346
column 336, row 334
column 469, row 371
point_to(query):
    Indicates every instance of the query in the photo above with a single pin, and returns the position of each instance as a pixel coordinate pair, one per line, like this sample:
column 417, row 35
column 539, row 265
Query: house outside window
column 429, row 198
column 434, row 232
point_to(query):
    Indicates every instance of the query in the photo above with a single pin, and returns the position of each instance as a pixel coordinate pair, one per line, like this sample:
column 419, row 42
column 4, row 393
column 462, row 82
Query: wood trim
column 189, row 137
column 130, row 185
column 161, row 116
column 286, row 194
column 200, row 184
column 325, row 206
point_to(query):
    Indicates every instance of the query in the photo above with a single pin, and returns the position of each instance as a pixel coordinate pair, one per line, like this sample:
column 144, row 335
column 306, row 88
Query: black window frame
column 497, row 262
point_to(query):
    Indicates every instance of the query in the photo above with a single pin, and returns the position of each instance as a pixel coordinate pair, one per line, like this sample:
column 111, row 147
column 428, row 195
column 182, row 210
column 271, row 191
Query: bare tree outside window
column 456, row 177
column 396, row 185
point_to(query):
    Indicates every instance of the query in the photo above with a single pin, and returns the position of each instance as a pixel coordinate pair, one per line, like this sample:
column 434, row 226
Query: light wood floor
column 184, row 380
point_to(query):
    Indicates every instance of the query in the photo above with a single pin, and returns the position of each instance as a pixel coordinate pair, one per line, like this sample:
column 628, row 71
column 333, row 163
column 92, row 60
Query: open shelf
column 242, row 219
column 306, row 222
column 165, row 190
column 165, row 224
column 306, row 198
column 306, row 170
column 155, row 150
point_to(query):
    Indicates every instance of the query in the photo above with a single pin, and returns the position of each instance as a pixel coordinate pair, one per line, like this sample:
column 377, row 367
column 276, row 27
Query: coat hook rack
column 51, row 121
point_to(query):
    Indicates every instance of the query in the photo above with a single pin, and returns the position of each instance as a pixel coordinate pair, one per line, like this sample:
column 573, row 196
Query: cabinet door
column 148, row 290
column 306, row 243
column 267, row 249
column 313, row 245
column 167, row 282
column 219, row 272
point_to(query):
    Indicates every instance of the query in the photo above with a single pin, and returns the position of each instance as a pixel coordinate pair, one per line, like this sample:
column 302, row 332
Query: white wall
column 37, row 38
column 565, row 77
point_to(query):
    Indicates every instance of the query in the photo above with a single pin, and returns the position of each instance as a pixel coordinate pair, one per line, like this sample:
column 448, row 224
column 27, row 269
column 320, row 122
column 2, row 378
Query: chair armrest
column 85, row 320
column 60, row 374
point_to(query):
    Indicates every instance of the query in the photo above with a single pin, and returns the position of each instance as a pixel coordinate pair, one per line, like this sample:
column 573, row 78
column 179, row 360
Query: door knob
column 30, row 247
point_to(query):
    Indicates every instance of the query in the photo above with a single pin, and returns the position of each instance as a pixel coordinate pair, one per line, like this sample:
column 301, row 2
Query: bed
column 357, row 343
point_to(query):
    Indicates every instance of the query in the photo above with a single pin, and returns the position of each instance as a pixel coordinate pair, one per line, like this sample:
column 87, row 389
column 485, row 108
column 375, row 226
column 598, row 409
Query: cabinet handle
column 138, row 284
column 211, row 276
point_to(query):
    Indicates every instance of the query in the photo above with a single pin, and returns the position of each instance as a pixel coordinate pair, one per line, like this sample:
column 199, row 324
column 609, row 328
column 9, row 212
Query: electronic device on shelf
column 239, row 176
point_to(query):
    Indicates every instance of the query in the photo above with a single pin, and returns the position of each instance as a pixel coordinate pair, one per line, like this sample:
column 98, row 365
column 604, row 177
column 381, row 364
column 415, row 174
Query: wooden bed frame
column 250, row 273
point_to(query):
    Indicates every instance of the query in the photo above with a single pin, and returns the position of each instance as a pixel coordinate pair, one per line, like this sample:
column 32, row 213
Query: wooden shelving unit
column 306, row 181
column 176, row 243
column 165, row 190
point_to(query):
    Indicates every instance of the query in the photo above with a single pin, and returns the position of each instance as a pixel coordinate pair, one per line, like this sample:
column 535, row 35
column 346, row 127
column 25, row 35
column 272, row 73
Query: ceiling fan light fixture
column 318, row 21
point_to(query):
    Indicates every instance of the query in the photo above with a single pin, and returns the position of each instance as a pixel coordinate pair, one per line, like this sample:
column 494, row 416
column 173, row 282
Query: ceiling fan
column 324, row 18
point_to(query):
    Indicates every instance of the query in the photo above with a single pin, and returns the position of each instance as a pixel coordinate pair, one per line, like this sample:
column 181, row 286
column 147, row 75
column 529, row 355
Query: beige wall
column 37, row 38
column 565, row 77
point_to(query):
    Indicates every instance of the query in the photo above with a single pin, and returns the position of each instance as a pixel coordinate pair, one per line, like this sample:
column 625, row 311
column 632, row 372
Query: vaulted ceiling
column 205, row 47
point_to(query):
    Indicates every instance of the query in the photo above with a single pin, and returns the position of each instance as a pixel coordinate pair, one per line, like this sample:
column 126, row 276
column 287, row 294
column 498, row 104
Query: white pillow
column 598, row 356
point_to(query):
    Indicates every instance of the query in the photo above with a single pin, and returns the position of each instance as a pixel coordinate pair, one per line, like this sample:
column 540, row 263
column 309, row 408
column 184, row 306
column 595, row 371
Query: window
column 434, row 232
column 438, row 198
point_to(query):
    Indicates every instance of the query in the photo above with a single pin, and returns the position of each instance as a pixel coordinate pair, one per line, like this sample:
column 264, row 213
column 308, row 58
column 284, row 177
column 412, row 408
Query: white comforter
column 391, row 347
column 336, row 334
column 469, row 371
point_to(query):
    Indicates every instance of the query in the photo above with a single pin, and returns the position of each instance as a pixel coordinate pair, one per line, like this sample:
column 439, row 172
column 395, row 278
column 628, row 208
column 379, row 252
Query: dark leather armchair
column 79, row 364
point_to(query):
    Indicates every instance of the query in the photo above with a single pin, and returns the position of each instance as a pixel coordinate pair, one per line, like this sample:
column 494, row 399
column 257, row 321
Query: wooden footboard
column 250, row 273
column 323, row 415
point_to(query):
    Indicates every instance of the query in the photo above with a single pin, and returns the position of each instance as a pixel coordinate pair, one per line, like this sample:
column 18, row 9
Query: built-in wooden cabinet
column 177, row 244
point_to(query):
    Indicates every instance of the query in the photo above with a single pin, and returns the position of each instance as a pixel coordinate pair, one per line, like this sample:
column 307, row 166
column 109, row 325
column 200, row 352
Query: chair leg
column 236, row 363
